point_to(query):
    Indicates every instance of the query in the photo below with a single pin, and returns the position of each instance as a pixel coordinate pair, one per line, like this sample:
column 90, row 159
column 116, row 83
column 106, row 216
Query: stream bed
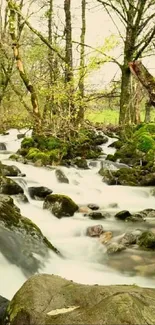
column 84, row 259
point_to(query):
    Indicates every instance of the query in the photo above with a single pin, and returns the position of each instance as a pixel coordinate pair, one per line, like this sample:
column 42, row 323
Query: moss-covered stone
column 60, row 205
column 11, row 171
column 21, row 239
column 147, row 240
column 81, row 163
column 27, row 143
column 48, row 299
column 9, row 186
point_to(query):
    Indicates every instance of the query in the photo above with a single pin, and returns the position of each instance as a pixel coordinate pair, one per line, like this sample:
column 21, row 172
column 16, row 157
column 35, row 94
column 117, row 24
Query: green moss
column 27, row 143
column 60, row 205
column 147, row 240
column 145, row 143
column 32, row 153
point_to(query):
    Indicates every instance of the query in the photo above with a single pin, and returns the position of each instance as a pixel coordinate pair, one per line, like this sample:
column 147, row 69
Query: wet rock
column 85, row 210
column 81, row 163
column 137, row 217
column 147, row 213
column 10, row 171
column 108, row 177
column 148, row 180
column 60, row 205
column 21, row 241
column 61, row 177
column 122, row 215
column 105, row 237
column 93, row 207
column 3, row 146
column 129, row 239
column 39, row 192
column 20, row 136
column 146, row 270
column 100, row 139
column 94, row 231
column 3, row 307
column 21, row 198
column 38, row 163
column 147, row 240
column 96, row 215
column 116, row 144
column 9, row 186
column 114, row 248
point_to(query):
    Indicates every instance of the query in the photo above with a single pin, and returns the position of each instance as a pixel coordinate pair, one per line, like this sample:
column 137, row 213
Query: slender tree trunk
column 68, row 50
column 80, row 116
column 147, row 112
column 50, row 97
column 125, row 95
column 15, row 46
column 69, row 77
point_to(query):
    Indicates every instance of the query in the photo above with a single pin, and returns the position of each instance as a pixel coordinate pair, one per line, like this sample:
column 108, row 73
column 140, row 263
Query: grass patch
column 109, row 116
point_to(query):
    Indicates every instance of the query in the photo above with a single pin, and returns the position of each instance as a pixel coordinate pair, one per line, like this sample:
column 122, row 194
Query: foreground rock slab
column 51, row 300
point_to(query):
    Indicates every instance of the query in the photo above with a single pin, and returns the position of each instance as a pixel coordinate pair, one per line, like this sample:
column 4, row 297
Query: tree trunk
column 68, row 50
column 15, row 46
column 69, row 80
column 145, row 78
column 125, row 95
column 147, row 112
column 80, row 116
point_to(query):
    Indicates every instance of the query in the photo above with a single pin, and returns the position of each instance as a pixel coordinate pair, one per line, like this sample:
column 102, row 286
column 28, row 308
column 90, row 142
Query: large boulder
column 39, row 192
column 60, row 205
column 21, row 241
column 50, row 300
column 10, row 171
column 9, row 186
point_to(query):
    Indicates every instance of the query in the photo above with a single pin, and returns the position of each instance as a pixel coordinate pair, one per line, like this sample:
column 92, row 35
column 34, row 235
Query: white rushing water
column 84, row 256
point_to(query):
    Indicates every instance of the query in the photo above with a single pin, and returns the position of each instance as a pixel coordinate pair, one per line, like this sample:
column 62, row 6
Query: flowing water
column 85, row 259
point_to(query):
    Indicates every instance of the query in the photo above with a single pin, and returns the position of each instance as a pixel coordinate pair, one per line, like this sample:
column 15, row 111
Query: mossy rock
column 81, row 163
column 9, row 186
column 111, row 158
column 21, row 241
column 27, row 143
column 60, row 205
column 11, row 171
column 147, row 240
column 48, row 299
column 116, row 144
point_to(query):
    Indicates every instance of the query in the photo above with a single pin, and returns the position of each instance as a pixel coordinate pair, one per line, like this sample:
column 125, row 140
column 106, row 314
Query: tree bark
column 145, row 78
column 81, row 110
column 15, row 46
column 68, row 50
column 147, row 112
column 69, row 77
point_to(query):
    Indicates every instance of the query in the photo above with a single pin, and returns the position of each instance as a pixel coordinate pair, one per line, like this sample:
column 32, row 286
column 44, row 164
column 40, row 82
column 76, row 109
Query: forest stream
column 84, row 259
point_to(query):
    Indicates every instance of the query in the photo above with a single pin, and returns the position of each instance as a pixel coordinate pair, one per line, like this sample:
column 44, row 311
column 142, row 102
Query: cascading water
column 84, row 260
